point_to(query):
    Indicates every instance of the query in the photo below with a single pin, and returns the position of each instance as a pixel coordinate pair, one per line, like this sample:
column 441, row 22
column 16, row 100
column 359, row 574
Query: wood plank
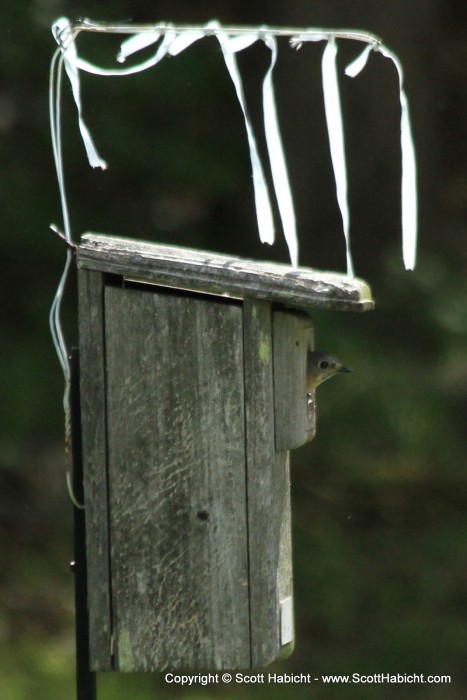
column 284, row 569
column 295, row 416
column 268, row 491
column 93, row 421
column 177, row 481
column 206, row 272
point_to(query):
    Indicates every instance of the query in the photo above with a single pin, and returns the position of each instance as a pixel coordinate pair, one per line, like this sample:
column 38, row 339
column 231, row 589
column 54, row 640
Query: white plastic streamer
column 54, row 316
column 279, row 171
column 173, row 44
column 183, row 41
column 409, row 172
column 359, row 63
column 136, row 43
column 63, row 34
column 409, row 167
column 71, row 56
column 229, row 46
column 177, row 44
column 335, row 126
column 175, row 40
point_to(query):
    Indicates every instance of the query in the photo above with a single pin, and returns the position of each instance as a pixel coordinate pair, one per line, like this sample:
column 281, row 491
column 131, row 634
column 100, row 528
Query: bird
column 320, row 366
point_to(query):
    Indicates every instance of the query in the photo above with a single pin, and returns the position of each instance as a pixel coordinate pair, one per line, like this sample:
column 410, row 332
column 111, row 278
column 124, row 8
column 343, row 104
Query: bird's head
column 320, row 366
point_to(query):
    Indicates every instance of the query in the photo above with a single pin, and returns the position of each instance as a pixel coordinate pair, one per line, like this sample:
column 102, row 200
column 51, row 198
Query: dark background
column 380, row 496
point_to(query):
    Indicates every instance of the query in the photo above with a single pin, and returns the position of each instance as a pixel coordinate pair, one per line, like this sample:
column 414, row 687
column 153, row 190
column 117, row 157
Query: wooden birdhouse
column 192, row 395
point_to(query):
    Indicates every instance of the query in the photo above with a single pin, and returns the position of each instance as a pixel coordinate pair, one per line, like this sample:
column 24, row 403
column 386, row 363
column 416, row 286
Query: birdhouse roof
column 224, row 275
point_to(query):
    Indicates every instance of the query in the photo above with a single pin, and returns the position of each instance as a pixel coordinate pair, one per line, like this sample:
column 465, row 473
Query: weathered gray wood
column 295, row 419
column 267, row 487
column 93, row 413
column 284, row 569
column 190, row 405
column 177, row 481
column 219, row 274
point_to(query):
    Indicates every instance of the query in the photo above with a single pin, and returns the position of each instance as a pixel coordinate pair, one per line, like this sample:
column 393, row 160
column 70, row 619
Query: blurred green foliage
column 380, row 496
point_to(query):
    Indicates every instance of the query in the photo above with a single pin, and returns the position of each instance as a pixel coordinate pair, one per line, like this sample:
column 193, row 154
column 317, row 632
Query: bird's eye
column 323, row 364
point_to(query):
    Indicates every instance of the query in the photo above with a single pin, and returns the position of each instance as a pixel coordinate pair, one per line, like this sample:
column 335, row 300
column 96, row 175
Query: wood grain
column 183, row 268
column 268, row 490
column 177, row 481
column 193, row 392
column 94, row 443
column 295, row 415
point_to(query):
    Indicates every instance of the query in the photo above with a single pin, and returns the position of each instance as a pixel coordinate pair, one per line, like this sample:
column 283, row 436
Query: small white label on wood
column 286, row 620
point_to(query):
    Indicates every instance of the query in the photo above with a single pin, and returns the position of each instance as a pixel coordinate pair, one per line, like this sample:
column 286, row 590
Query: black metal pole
column 85, row 679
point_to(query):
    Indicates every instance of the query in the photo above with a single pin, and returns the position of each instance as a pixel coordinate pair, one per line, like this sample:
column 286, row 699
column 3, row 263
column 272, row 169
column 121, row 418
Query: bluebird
column 319, row 367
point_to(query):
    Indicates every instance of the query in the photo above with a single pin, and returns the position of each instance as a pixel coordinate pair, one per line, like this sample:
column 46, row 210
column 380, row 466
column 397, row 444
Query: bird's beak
column 342, row 368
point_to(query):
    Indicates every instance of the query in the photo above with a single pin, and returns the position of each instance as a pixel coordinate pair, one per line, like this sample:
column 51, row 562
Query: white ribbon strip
column 334, row 123
column 409, row 172
column 359, row 63
column 279, row 171
column 183, row 41
column 63, row 33
column 161, row 51
column 170, row 38
column 229, row 46
column 135, row 43
column 54, row 315
column 64, row 37
column 173, row 43
column 177, row 44
column 409, row 167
